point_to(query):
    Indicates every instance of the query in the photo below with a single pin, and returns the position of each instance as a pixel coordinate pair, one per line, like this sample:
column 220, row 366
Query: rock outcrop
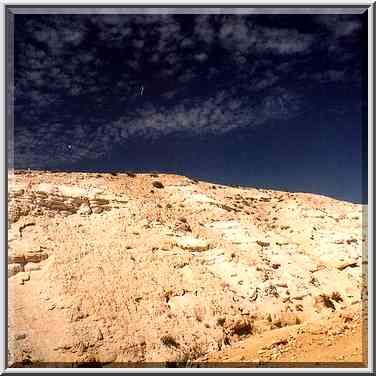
column 56, row 199
column 108, row 269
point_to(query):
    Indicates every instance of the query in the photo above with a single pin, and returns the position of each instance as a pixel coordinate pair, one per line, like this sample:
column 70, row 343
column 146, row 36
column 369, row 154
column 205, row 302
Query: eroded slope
column 158, row 268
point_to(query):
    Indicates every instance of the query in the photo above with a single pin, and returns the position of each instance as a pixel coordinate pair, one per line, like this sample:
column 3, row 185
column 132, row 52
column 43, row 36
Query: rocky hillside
column 106, row 269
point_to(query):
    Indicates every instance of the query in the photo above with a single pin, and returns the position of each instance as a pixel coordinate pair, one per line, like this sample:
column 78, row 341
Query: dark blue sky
column 273, row 101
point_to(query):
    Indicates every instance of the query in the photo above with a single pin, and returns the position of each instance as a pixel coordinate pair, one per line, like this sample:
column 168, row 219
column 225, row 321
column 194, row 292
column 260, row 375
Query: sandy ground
column 338, row 342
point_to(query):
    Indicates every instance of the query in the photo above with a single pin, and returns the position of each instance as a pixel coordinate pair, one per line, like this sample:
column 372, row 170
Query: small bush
column 336, row 296
column 314, row 281
column 327, row 301
column 169, row 341
column 187, row 356
column 221, row 321
column 157, row 184
column 242, row 328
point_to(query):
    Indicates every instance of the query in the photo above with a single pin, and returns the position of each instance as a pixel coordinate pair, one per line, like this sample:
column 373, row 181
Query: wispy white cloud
column 57, row 71
column 204, row 29
column 283, row 41
column 216, row 115
column 339, row 25
column 240, row 35
column 330, row 76
column 202, row 56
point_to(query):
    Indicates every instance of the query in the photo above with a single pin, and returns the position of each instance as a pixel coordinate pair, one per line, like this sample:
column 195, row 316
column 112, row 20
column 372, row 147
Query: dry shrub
column 336, row 296
column 221, row 321
column 327, row 302
column 242, row 327
column 157, row 184
column 199, row 313
column 169, row 341
column 187, row 356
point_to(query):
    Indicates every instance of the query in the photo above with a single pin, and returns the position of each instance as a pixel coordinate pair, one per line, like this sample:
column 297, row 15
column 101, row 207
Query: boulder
column 84, row 209
column 31, row 267
column 13, row 269
column 192, row 244
column 97, row 209
column 69, row 191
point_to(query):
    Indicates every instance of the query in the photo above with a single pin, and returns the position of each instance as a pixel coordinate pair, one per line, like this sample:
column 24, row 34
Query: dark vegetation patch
column 169, row 341
column 158, row 184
